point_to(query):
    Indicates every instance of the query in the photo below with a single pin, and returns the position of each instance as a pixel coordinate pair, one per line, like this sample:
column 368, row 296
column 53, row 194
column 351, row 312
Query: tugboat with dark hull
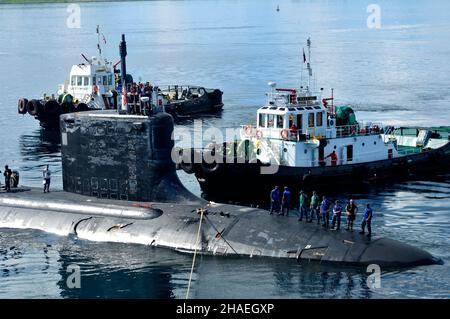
column 303, row 141
column 96, row 84
column 189, row 100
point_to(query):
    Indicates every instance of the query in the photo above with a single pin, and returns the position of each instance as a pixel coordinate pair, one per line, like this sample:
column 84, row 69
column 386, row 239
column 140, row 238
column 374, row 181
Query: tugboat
column 187, row 100
column 95, row 84
column 302, row 140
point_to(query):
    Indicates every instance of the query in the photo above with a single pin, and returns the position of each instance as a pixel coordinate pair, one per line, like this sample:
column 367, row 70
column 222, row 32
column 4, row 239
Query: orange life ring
column 259, row 134
column 284, row 134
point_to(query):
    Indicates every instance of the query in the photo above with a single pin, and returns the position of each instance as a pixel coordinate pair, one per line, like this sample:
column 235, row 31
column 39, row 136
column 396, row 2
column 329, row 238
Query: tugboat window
column 85, row 80
column 105, row 80
column 94, row 80
column 319, row 119
column 299, row 122
column 280, row 120
column 262, row 120
column 73, row 80
column 311, row 120
column 270, row 120
column 79, row 81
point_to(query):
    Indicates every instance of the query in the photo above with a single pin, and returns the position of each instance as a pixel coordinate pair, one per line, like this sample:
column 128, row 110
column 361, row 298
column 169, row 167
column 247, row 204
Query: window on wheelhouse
column 262, row 120
column 319, row 119
column 85, row 80
column 105, row 80
column 73, row 80
column 110, row 79
column 79, row 81
column 280, row 120
column 94, row 80
column 311, row 119
column 291, row 120
column 299, row 121
column 270, row 120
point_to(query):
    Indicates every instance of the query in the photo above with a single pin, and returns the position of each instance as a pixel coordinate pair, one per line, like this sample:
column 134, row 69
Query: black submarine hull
column 120, row 185
column 227, row 230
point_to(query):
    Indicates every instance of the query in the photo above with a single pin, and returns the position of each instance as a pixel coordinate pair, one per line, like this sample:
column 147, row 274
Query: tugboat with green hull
column 302, row 140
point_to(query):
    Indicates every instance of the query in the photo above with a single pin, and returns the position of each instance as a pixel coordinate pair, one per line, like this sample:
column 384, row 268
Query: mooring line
column 195, row 251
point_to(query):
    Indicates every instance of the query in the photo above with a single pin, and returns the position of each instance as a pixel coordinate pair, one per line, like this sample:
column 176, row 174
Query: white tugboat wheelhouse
column 296, row 127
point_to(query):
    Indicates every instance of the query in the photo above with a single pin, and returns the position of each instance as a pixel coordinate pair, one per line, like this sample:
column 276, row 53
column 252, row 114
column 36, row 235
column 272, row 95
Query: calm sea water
column 398, row 74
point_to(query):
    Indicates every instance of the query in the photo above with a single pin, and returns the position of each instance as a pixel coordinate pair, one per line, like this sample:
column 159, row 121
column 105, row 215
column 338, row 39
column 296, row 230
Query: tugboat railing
column 301, row 135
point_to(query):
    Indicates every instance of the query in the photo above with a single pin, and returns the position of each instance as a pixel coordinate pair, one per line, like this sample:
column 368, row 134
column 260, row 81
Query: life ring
column 22, row 106
column 259, row 134
column 284, row 134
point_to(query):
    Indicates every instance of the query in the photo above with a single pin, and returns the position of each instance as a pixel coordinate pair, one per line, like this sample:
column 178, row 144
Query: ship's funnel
column 124, row 157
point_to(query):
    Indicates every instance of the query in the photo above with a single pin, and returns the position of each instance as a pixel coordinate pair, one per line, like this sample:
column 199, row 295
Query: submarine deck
column 226, row 230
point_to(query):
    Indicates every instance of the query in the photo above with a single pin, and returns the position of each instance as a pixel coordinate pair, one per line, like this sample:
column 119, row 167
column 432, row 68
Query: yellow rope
column 201, row 210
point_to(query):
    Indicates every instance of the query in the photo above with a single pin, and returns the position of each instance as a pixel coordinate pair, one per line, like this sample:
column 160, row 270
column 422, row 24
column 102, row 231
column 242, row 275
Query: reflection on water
column 40, row 145
column 38, row 149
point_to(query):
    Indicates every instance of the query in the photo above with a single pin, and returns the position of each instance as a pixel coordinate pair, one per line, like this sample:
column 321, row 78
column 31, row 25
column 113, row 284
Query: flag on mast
column 304, row 56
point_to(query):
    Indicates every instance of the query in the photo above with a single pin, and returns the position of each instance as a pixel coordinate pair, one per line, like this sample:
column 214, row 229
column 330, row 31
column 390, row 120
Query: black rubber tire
column 66, row 108
column 22, row 106
column 187, row 162
column 80, row 107
column 51, row 107
column 34, row 107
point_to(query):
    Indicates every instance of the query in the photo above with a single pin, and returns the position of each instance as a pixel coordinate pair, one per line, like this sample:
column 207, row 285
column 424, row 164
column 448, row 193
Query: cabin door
column 349, row 153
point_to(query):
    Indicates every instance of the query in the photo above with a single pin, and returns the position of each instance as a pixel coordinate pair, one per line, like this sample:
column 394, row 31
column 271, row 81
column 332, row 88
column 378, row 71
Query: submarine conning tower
column 120, row 156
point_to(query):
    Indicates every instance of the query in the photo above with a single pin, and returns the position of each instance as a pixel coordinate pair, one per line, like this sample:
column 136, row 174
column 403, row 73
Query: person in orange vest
column 334, row 158
column 293, row 130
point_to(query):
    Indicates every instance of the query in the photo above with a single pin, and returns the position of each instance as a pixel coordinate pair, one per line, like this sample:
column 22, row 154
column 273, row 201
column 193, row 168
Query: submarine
column 120, row 185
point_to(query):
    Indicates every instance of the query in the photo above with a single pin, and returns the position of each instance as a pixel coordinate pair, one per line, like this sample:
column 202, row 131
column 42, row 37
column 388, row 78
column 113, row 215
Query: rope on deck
column 201, row 211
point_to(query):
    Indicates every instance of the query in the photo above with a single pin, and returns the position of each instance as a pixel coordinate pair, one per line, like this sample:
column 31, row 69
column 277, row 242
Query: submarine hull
column 226, row 230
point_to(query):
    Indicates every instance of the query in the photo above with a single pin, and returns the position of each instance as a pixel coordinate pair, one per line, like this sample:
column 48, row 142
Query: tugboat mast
column 307, row 91
column 308, row 65
column 98, row 42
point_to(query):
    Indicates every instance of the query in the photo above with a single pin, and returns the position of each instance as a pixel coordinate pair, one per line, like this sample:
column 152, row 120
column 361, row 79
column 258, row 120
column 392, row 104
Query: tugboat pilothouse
column 302, row 140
